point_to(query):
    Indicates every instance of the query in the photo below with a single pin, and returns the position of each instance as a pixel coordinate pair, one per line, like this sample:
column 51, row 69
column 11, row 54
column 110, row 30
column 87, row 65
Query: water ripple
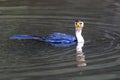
column 22, row 60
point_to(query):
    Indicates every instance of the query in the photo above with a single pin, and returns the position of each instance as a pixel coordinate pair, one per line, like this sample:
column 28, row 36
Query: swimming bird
column 57, row 38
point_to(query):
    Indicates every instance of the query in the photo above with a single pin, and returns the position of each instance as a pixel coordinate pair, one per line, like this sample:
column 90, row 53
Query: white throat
column 79, row 35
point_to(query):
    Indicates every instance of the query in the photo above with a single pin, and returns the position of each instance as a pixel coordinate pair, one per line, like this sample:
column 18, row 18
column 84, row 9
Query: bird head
column 79, row 24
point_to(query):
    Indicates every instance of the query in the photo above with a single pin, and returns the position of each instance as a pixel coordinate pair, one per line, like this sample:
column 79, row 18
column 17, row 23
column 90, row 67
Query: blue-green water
column 33, row 60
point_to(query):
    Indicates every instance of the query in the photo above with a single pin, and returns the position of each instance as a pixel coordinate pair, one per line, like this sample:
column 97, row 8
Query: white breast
column 80, row 40
column 79, row 36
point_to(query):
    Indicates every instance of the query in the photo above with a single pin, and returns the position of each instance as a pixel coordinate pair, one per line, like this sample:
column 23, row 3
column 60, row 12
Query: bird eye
column 80, row 23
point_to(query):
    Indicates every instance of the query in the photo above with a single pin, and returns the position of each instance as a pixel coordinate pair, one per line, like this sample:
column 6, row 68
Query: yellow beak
column 78, row 24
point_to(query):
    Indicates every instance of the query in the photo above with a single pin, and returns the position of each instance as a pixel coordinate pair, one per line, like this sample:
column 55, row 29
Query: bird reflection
column 80, row 57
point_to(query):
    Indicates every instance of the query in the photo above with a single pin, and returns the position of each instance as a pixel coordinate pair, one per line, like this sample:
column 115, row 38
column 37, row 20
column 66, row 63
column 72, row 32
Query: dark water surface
column 33, row 60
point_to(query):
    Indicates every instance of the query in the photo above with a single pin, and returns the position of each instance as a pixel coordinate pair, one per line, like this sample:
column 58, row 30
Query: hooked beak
column 78, row 25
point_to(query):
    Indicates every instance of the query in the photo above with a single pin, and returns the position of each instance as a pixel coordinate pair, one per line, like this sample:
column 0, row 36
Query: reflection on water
column 80, row 55
column 33, row 60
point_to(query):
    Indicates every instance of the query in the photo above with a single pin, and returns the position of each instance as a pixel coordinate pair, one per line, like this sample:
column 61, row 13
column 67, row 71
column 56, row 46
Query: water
column 33, row 60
